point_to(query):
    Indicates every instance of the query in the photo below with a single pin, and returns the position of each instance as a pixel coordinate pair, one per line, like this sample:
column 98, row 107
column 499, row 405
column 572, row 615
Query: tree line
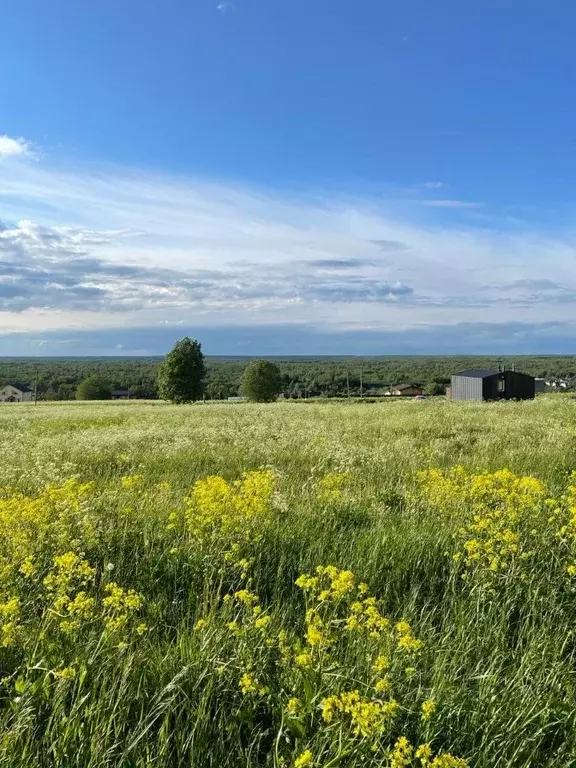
column 59, row 378
column 182, row 378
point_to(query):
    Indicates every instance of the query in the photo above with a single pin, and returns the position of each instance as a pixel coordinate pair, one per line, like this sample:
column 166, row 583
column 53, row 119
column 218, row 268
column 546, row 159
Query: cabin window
column 501, row 385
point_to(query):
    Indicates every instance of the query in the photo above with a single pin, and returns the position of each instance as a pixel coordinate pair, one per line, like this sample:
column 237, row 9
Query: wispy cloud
column 433, row 185
column 225, row 6
column 101, row 248
column 451, row 204
column 10, row 147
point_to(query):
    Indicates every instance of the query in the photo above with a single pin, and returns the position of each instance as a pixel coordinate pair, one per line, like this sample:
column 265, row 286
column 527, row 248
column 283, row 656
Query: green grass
column 499, row 662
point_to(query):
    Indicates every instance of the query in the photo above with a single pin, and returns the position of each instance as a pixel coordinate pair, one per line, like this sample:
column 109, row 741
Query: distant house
column 13, row 394
column 236, row 399
column 405, row 390
column 486, row 384
column 121, row 394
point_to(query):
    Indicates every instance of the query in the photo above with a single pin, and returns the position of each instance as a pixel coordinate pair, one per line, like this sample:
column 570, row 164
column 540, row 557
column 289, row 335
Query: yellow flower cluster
column 65, row 673
column 293, row 707
column 33, row 526
column 229, row 513
column 503, row 516
column 305, row 760
column 365, row 617
column 70, row 570
column 366, row 717
column 250, row 685
column 70, row 603
column 343, row 679
column 567, row 531
column 403, row 755
column 331, row 487
column 330, row 583
column 405, row 639
column 459, row 489
column 70, row 573
column 119, row 606
column 334, row 588
column 132, row 481
column 9, row 616
column 428, row 709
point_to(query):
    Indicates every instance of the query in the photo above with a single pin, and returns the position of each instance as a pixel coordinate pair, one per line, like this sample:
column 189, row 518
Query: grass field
column 297, row 584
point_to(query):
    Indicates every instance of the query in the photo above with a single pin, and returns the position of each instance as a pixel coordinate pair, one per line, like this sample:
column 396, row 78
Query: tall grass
column 147, row 685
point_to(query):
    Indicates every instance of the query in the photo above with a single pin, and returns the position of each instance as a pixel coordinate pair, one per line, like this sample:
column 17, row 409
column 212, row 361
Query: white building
column 12, row 394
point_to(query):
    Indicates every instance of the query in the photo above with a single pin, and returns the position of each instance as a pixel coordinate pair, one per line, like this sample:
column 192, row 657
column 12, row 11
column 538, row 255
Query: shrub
column 262, row 381
column 94, row 388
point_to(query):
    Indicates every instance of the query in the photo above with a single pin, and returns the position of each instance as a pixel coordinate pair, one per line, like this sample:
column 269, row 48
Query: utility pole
column 361, row 389
column 348, row 383
column 36, row 388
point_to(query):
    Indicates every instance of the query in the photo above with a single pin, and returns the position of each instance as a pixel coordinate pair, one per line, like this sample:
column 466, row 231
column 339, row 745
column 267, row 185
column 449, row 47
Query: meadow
column 298, row 584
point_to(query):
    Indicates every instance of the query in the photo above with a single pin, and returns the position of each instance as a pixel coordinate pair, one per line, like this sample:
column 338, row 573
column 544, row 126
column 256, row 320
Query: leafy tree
column 262, row 381
column 435, row 388
column 93, row 388
column 181, row 375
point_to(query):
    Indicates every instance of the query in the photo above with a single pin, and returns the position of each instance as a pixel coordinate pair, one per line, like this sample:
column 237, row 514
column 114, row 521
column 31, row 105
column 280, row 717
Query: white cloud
column 433, row 185
column 10, row 147
column 112, row 247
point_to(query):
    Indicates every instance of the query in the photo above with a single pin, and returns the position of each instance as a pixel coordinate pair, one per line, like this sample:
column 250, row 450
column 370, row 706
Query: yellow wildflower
column 262, row 622
column 293, row 707
column 307, row 582
column 246, row 597
column 119, row 606
column 249, row 685
column 331, row 487
column 401, row 755
column 132, row 481
column 382, row 685
column 314, row 635
column 28, row 567
column 304, row 760
column 367, row 717
column 428, row 709
column 9, row 616
column 65, row 673
column 423, row 753
column 381, row 664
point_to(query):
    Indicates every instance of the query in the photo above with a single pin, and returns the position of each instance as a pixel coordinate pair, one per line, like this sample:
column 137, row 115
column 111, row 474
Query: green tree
column 94, row 388
column 262, row 381
column 435, row 388
column 181, row 375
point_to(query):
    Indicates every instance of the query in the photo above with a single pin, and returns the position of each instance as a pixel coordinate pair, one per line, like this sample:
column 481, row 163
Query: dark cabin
column 121, row 394
column 484, row 384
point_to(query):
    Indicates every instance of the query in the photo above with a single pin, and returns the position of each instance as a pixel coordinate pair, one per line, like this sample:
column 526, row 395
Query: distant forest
column 58, row 378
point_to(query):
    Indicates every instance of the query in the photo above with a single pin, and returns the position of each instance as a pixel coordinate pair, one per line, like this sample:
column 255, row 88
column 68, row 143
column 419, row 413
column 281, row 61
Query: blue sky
column 274, row 177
